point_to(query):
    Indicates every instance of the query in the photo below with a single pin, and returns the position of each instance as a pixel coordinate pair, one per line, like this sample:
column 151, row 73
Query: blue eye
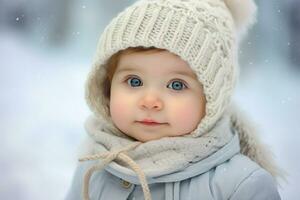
column 178, row 85
column 134, row 82
column 175, row 85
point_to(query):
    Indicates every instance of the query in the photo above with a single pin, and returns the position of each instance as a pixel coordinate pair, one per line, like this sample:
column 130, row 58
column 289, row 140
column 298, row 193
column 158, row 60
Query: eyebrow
column 126, row 69
column 184, row 73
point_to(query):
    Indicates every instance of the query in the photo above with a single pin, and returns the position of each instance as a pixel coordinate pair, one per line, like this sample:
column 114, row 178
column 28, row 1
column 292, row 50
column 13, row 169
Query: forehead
column 162, row 62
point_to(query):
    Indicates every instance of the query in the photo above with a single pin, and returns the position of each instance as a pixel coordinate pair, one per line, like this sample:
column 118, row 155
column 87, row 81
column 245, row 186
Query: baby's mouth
column 149, row 123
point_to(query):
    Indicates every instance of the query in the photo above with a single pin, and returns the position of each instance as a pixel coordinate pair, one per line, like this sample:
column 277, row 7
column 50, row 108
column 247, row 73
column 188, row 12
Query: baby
column 164, row 125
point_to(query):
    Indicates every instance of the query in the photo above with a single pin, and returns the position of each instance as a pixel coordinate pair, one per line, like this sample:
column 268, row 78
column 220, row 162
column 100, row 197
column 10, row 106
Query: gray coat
column 226, row 174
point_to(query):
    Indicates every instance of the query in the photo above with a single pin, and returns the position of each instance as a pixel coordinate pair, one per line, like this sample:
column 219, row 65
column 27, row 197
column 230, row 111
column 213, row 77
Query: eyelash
column 183, row 82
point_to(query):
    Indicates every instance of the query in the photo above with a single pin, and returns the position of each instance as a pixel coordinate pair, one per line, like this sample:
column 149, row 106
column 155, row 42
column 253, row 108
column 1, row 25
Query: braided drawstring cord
column 109, row 157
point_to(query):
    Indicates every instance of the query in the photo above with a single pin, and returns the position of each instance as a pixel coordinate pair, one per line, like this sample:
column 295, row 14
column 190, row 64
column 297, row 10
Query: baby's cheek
column 187, row 117
column 117, row 110
column 185, row 114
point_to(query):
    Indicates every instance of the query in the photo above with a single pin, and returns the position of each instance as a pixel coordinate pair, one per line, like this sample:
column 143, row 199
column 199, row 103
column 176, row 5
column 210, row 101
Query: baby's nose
column 151, row 102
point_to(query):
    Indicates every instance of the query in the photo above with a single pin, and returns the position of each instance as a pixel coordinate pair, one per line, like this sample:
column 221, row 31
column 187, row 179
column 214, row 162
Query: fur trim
column 252, row 146
column 243, row 13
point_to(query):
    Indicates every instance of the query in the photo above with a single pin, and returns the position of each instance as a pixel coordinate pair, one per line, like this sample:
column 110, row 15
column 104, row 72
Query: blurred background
column 46, row 49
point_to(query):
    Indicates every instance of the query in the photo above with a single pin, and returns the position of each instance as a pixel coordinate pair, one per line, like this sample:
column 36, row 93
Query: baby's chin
column 144, row 137
column 147, row 137
column 142, row 133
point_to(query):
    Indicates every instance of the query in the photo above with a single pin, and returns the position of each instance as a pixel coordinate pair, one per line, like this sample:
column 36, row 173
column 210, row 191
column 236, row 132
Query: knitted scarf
column 156, row 157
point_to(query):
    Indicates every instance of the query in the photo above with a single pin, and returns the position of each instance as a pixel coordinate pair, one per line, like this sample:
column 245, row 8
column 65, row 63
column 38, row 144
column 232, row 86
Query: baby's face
column 157, row 86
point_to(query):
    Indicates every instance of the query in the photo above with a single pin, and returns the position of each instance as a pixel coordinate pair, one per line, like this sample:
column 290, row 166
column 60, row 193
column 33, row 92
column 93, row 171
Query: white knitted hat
column 204, row 33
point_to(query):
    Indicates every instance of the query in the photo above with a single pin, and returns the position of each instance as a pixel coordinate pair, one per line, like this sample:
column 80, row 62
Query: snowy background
column 46, row 49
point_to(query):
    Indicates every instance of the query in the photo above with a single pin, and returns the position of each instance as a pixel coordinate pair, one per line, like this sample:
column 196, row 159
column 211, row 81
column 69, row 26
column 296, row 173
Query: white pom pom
column 244, row 14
